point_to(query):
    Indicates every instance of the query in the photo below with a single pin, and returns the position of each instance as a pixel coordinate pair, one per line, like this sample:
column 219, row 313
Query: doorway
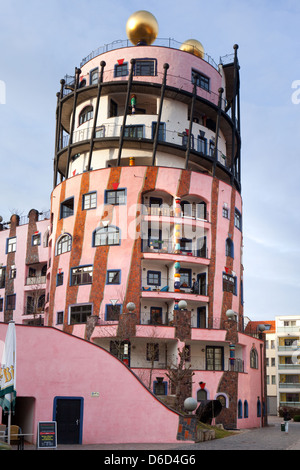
column 68, row 413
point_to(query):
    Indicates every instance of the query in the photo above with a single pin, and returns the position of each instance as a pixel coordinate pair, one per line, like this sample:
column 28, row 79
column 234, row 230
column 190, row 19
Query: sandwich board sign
column 47, row 435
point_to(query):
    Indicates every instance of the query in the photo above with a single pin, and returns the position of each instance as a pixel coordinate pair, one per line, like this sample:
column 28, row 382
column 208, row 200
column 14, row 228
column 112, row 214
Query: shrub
column 297, row 418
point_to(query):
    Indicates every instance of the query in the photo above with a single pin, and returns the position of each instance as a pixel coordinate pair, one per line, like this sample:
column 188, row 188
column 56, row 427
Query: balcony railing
column 167, row 285
column 31, row 281
column 165, row 210
column 166, row 246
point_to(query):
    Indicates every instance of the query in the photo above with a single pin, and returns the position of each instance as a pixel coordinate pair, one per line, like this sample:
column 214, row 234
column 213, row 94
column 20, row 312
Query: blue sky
column 43, row 41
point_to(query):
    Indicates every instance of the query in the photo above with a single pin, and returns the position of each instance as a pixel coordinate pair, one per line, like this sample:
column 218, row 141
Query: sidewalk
column 267, row 438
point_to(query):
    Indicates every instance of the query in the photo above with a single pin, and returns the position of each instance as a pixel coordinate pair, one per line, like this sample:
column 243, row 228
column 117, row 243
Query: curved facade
column 146, row 210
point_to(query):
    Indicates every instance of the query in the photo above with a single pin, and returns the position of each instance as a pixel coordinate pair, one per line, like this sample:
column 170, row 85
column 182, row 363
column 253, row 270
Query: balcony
column 168, row 247
column 35, row 280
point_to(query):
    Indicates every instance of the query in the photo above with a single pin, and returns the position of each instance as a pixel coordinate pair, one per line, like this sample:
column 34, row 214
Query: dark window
column 116, row 197
column 60, row 279
column 1, row 305
column 59, row 318
column 80, row 313
column 113, row 108
column 134, row 132
column 113, row 277
column 154, row 278
column 185, row 277
column 237, row 219
column 152, row 352
column 253, row 359
column 144, row 67
column 81, row 275
column 225, row 212
column 86, row 114
column 202, row 145
column 113, row 312
column 160, row 387
column 106, row 236
column 155, row 316
column 214, row 358
column 229, row 248
column 11, row 302
column 121, row 70
column 155, row 238
column 229, row 283
column 2, row 277
column 201, row 80
column 161, row 133
column 67, row 208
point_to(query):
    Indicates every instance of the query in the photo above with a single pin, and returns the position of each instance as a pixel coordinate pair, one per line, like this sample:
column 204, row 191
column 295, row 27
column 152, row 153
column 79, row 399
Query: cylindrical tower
column 146, row 204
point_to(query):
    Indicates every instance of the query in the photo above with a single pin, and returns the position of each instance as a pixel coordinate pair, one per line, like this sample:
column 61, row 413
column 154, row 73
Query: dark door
column 68, row 418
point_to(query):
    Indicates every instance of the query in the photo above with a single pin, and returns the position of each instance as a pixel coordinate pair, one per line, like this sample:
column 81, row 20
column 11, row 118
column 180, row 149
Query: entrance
column 68, row 413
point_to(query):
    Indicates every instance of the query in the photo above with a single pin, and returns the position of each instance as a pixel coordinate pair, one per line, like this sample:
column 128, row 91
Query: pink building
column 144, row 242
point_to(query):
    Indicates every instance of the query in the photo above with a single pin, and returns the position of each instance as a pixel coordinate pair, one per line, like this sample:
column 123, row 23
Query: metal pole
column 125, row 111
column 217, row 130
column 77, row 73
column 166, row 66
column 100, row 81
column 187, row 155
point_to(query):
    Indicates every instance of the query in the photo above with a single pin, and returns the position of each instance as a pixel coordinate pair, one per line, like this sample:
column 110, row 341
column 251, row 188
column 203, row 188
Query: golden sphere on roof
column 193, row 47
column 142, row 28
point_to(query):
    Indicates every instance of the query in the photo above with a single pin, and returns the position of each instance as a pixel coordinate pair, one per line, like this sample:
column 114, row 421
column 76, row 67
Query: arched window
column 109, row 235
column 258, row 408
column 253, row 359
column 64, row 244
column 86, row 114
column 245, row 409
column 240, row 409
column 229, row 248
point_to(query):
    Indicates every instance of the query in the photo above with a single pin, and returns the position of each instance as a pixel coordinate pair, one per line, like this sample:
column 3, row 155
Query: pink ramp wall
column 52, row 364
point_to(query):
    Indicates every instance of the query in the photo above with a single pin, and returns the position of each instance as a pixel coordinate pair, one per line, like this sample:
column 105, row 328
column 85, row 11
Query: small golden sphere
column 193, row 47
column 142, row 28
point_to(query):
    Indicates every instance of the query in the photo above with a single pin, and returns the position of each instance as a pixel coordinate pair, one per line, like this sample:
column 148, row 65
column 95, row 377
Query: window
column 113, row 108
column 116, row 198
column 201, row 80
column 1, row 305
column 11, row 246
column 154, row 278
column 106, row 236
column 59, row 318
column 134, row 132
column 121, row 70
column 155, row 238
column 81, row 275
column 36, row 239
column 11, row 302
column 201, row 144
column 152, row 352
column 89, row 201
column 229, row 248
column 161, row 133
column 240, row 409
column 94, row 76
column 113, row 277
column 225, row 212
column 64, row 244
column 145, row 67
column 253, row 359
column 214, row 358
column 13, row 272
column 80, row 313
column 113, row 312
column 160, row 387
column 67, row 208
column 86, row 115
column 2, row 277
column 245, row 409
column 155, row 315
column 229, row 283
column 185, row 277
column 59, row 279
column 237, row 219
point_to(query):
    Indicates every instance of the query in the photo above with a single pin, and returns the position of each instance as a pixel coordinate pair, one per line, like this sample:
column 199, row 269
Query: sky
column 41, row 42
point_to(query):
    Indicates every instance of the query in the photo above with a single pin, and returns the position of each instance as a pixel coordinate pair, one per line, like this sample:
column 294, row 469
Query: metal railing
column 167, row 285
column 166, row 246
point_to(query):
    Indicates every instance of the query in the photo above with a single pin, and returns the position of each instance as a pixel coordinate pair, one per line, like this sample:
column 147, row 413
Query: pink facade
column 53, row 365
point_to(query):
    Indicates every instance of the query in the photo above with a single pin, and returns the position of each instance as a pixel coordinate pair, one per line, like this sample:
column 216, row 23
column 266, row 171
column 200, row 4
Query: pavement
column 269, row 438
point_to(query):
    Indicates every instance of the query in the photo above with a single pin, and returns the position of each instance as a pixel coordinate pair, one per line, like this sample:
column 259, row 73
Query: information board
column 47, row 435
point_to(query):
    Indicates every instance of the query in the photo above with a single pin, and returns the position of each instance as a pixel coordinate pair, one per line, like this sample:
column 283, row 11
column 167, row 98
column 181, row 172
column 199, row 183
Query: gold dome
column 142, row 28
column 193, row 47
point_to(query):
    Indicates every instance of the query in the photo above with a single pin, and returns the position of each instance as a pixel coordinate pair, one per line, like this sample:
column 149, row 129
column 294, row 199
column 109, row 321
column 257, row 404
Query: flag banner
column 8, row 370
